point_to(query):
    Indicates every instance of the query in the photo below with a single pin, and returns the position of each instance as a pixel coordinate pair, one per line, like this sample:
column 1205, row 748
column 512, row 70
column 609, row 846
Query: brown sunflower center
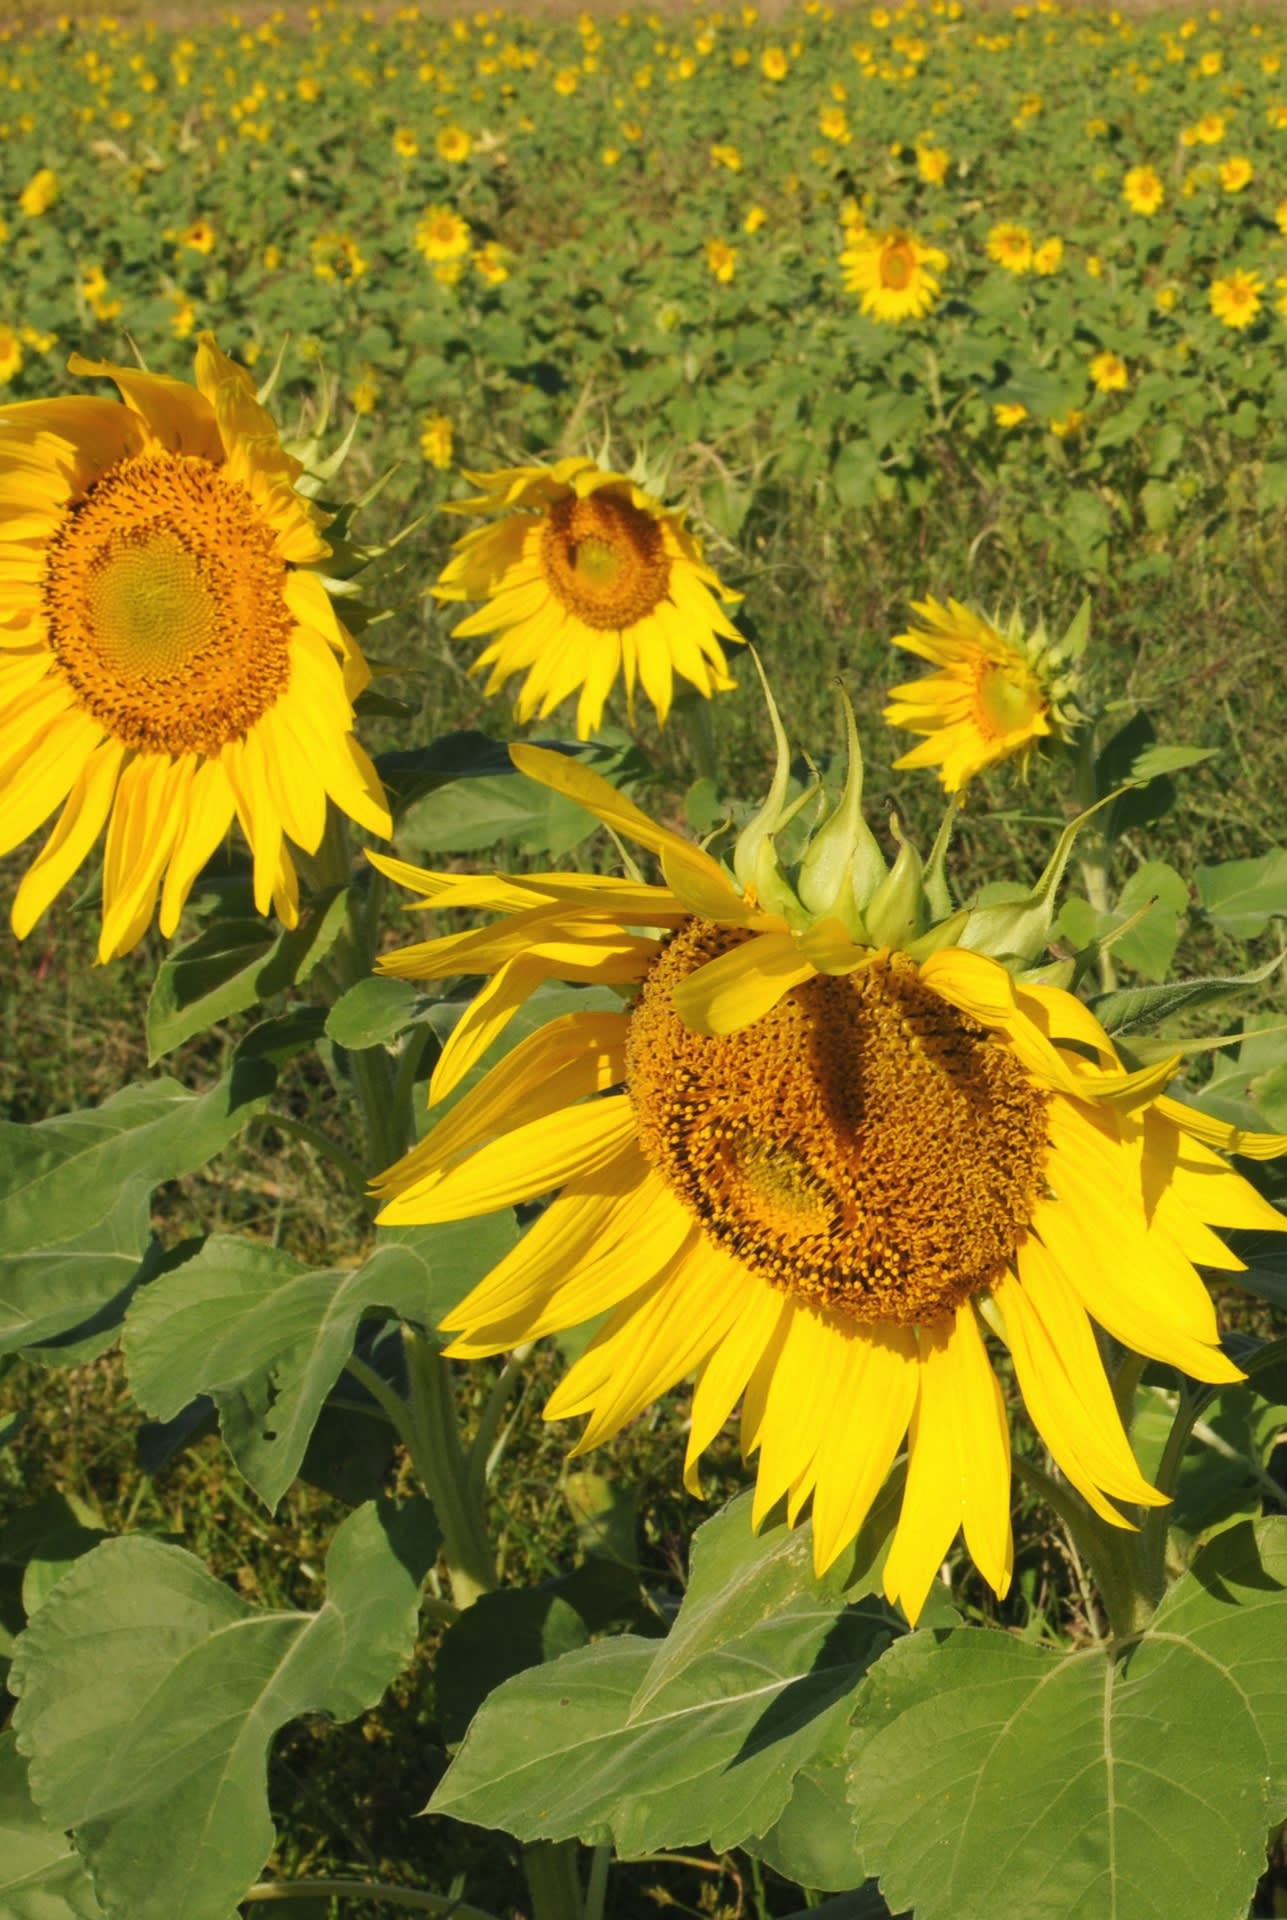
column 897, row 267
column 164, row 602
column 605, row 559
column 865, row 1145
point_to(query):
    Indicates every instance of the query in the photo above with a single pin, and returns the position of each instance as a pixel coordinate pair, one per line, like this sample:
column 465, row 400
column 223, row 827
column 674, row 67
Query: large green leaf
column 473, row 814
column 989, row 1776
column 232, row 965
column 149, row 1693
column 41, row 1877
column 1242, row 896
column 699, row 1740
column 74, row 1213
column 1158, row 894
column 267, row 1338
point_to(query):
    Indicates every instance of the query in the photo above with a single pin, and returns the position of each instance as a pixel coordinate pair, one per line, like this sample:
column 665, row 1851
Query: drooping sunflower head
column 169, row 658
column 894, row 272
column 586, row 577
column 997, row 692
column 820, row 1170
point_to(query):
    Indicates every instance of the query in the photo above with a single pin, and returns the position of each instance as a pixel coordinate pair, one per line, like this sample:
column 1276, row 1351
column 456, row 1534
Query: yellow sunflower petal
column 727, row 1369
column 648, row 1229
column 868, row 1427
column 531, row 1160
column 683, row 861
column 742, row 985
column 82, row 819
column 958, row 1473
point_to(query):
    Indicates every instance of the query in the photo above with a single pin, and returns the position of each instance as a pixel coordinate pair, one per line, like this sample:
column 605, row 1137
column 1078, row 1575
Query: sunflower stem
column 430, row 1426
column 1114, row 1556
column 553, row 1880
column 701, row 739
column 443, row 1466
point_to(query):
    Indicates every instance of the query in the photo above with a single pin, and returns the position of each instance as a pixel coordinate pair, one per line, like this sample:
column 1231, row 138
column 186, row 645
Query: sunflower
column 995, row 694
column 1109, row 373
column 893, row 271
column 168, row 657
column 817, row 1158
column 1010, row 245
column 1235, row 298
column 1142, row 190
column 585, row 577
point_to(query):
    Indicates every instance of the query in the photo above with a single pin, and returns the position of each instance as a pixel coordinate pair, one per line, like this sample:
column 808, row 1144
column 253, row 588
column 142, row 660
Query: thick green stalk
column 429, row 1427
column 553, row 1879
column 443, row 1466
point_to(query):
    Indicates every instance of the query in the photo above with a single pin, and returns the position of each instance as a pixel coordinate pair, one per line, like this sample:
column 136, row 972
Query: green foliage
column 267, row 1339
column 698, row 1739
column 168, row 1805
column 74, row 1192
column 969, row 1747
column 41, row 1876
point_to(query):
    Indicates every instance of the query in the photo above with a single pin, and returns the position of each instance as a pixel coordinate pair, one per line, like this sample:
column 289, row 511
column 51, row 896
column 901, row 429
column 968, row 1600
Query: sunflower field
column 644, row 1114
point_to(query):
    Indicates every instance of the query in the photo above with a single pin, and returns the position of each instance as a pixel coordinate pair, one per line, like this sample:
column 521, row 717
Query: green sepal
column 947, row 933
column 746, row 852
column 896, row 912
column 843, row 867
column 1020, row 929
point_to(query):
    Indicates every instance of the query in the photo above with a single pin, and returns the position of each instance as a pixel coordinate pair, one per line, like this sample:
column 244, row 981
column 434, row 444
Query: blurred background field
column 484, row 236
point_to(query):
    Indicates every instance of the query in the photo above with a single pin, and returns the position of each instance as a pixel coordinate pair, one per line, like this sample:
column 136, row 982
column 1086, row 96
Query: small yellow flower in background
column 1009, row 413
column 437, row 440
column 1235, row 299
column 272, row 258
column 722, row 154
column 40, row 193
column 365, row 393
column 1094, row 266
column 774, row 64
column 182, row 665
column 448, row 273
column 11, row 355
column 755, row 218
column 1049, row 256
column 721, row 260
column 1066, row 426
column 183, row 320
column 489, row 262
column 1236, row 173
column 1280, row 216
column 1276, row 115
column 4, row 231
column 442, row 234
column 1210, row 63
column 995, row 693
column 586, row 578
column 1166, row 298
column 1142, row 190
column 1210, row 129
column 566, row 82
column 833, row 124
column 39, row 340
column 1096, row 128
column 896, row 274
column 198, row 236
column 932, row 164
column 1010, row 245
column 1109, row 373
column 308, row 88
column 610, row 156
column 405, row 144
column 453, row 145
